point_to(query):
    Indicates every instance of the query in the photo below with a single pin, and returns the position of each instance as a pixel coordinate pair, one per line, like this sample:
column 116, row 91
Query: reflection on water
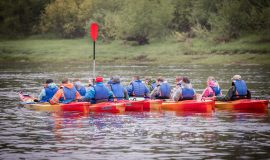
column 30, row 134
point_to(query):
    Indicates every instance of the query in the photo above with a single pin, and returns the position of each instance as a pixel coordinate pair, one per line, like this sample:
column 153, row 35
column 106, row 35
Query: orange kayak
column 246, row 105
column 193, row 106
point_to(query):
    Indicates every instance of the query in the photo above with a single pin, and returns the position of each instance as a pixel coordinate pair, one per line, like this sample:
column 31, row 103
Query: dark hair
column 186, row 80
column 49, row 81
column 65, row 80
column 160, row 79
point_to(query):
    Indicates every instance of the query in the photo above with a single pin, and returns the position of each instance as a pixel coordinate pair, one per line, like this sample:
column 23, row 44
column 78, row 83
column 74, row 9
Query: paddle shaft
column 94, row 62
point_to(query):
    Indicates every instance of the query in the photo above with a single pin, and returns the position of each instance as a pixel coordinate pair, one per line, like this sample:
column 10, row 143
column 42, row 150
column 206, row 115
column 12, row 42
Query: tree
column 143, row 19
column 67, row 18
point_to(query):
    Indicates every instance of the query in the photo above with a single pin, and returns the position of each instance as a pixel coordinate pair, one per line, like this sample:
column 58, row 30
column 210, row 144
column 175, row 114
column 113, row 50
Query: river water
column 27, row 134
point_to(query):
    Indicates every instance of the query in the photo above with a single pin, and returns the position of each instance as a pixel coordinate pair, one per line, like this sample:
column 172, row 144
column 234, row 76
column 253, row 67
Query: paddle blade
column 94, row 31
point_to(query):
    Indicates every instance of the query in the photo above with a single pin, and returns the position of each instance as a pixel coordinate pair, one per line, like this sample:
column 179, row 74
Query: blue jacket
column 70, row 94
column 82, row 91
column 216, row 90
column 48, row 92
column 118, row 90
column 187, row 93
column 241, row 88
column 165, row 91
column 137, row 89
column 98, row 93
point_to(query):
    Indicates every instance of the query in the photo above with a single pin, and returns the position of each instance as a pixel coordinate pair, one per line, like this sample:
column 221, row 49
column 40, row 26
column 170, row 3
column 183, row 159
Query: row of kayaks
column 194, row 106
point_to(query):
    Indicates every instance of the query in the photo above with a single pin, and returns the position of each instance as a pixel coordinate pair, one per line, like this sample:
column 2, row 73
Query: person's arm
column 56, row 97
column 177, row 94
column 89, row 95
column 146, row 91
column 78, row 96
column 129, row 89
column 248, row 94
column 125, row 94
column 194, row 97
column 42, row 94
column 205, row 93
column 154, row 93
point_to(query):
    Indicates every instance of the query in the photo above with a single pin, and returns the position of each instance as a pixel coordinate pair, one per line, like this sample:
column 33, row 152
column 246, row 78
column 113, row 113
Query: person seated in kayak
column 48, row 91
column 98, row 92
column 237, row 91
column 79, row 87
column 184, row 91
column 178, row 81
column 162, row 91
column 66, row 94
column 212, row 88
column 118, row 90
column 137, row 88
column 150, row 83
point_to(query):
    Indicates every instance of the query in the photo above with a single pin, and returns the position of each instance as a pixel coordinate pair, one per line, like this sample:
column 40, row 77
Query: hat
column 49, row 81
column 236, row 77
column 99, row 79
column 116, row 79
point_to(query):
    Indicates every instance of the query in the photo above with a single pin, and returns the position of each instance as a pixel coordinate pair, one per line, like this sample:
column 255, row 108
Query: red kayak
column 193, row 106
column 245, row 105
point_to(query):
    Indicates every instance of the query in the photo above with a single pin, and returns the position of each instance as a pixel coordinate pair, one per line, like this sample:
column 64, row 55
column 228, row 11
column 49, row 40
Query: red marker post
column 94, row 36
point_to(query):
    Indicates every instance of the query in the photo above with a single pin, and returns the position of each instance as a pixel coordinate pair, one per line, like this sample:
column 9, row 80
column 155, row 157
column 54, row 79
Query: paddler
column 137, row 88
column 98, row 93
column 162, row 91
column 67, row 93
column 150, row 83
column 48, row 91
column 119, row 92
column 79, row 87
column 184, row 91
column 237, row 91
column 212, row 88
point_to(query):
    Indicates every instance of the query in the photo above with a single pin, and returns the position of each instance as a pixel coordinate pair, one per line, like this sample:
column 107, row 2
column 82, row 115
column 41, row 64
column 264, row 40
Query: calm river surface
column 27, row 134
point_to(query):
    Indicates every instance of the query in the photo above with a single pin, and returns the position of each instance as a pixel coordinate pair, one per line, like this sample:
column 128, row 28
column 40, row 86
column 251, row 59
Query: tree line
column 138, row 21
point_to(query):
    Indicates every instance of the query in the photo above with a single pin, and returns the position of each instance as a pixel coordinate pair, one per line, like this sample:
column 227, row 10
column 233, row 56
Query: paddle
column 94, row 35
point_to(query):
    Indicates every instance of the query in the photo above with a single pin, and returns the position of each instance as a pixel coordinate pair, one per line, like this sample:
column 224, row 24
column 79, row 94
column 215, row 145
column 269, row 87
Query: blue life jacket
column 216, row 90
column 118, row 90
column 241, row 87
column 101, row 93
column 187, row 94
column 153, row 85
column 138, row 89
column 69, row 93
column 82, row 91
column 165, row 91
column 49, row 94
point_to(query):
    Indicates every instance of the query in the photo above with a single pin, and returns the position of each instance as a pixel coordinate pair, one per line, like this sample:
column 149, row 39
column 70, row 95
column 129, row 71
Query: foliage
column 66, row 18
column 19, row 17
column 139, row 21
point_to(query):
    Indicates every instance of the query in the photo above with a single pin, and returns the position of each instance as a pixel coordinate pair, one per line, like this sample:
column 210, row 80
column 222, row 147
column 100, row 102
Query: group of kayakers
column 113, row 90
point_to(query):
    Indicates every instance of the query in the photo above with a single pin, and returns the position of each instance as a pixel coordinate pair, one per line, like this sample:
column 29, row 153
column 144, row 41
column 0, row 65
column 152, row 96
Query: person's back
column 118, row 90
column 66, row 94
column 185, row 91
column 162, row 91
column 98, row 93
column 212, row 88
column 79, row 87
column 48, row 92
column 237, row 91
column 137, row 88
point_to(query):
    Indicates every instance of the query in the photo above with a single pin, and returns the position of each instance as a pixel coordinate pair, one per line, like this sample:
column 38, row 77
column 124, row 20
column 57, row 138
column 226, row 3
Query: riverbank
column 247, row 50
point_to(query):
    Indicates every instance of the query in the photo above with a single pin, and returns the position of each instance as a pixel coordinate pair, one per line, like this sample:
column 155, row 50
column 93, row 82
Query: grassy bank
column 247, row 50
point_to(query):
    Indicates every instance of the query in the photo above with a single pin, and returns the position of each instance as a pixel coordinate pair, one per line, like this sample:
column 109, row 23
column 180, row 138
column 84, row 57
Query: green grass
column 246, row 50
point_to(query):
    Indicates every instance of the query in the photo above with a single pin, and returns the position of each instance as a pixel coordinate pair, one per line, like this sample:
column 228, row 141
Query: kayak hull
column 247, row 105
column 71, row 107
column 109, row 107
column 192, row 106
